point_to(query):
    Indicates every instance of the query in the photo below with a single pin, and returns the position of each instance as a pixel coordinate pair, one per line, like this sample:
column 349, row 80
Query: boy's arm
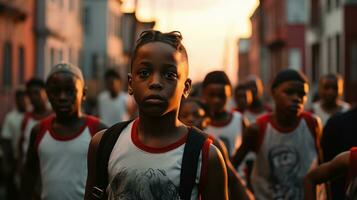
column 250, row 139
column 91, row 163
column 216, row 186
column 318, row 138
column 31, row 171
column 325, row 172
column 235, row 186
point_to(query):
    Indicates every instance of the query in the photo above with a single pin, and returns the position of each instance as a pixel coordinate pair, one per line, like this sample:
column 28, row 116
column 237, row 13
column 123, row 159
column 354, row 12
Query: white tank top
column 137, row 171
column 63, row 161
column 230, row 134
column 283, row 159
column 324, row 116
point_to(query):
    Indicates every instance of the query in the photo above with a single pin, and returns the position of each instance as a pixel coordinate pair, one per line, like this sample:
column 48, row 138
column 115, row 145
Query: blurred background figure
column 242, row 97
column 257, row 107
column 114, row 105
column 330, row 91
column 10, row 133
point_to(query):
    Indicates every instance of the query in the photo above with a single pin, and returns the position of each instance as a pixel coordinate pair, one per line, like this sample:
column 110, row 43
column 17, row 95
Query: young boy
column 256, row 108
column 194, row 112
column 225, row 125
column 242, row 97
column 146, row 160
column 35, row 89
column 286, row 141
column 330, row 91
column 113, row 103
column 343, row 164
column 58, row 144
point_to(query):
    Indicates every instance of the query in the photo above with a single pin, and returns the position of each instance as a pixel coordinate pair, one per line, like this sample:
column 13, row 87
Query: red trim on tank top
column 222, row 124
column 66, row 137
column 44, row 126
column 136, row 141
column 204, row 165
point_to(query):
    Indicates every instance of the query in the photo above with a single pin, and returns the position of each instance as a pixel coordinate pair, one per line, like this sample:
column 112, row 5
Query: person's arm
column 250, row 139
column 91, row 163
column 325, row 172
column 216, row 185
column 31, row 171
column 318, row 139
column 235, row 186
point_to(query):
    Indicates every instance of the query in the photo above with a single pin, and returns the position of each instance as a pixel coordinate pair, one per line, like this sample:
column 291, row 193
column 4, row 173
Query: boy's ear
column 188, row 87
column 130, row 79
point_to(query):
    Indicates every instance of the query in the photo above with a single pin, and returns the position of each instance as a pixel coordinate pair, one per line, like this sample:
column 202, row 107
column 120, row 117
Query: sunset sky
column 210, row 28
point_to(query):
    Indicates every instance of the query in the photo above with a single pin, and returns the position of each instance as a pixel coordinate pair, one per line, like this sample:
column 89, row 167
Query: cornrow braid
column 173, row 39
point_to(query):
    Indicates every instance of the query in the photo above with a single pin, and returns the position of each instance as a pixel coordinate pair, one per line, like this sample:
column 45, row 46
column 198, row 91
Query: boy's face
column 243, row 98
column 192, row 114
column 65, row 92
column 159, row 78
column 37, row 96
column 113, row 84
column 290, row 97
column 330, row 89
column 216, row 96
column 22, row 102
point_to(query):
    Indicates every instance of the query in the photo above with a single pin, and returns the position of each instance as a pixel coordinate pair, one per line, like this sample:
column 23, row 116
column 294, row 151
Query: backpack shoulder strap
column 195, row 141
column 105, row 148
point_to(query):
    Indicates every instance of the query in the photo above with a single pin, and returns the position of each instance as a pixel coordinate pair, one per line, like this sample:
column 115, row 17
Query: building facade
column 58, row 33
column 331, row 41
column 102, row 43
column 17, row 48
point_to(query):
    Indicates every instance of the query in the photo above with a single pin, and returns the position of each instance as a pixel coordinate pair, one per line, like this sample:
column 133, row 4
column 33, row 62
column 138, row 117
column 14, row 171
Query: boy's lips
column 154, row 99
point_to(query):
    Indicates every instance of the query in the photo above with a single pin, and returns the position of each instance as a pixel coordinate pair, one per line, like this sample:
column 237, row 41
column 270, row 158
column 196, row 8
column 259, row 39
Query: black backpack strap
column 195, row 141
column 105, row 148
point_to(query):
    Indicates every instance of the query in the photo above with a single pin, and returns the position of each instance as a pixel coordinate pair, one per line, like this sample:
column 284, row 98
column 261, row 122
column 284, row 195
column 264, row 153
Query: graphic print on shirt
column 284, row 164
column 148, row 184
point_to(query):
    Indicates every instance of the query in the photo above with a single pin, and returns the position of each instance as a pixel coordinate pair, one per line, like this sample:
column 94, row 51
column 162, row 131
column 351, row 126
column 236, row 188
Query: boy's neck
column 329, row 106
column 69, row 119
column 40, row 111
column 114, row 94
column 285, row 121
column 220, row 116
column 167, row 126
column 256, row 105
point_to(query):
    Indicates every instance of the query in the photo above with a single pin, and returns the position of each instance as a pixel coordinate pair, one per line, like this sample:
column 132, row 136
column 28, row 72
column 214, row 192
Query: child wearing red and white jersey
column 286, row 141
column 58, row 144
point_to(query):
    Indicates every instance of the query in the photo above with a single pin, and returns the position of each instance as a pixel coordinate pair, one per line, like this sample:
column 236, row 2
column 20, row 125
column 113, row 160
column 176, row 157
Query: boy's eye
column 171, row 75
column 144, row 73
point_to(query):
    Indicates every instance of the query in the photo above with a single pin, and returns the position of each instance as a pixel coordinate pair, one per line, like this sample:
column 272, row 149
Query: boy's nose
column 155, row 82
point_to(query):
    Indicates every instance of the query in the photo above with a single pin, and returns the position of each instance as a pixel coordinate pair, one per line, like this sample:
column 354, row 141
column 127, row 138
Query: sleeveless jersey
column 230, row 134
column 63, row 160
column 136, row 171
column 351, row 193
column 283, row 159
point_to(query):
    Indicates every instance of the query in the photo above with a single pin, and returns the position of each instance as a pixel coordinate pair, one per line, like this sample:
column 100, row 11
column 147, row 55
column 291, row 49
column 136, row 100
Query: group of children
column 179, row 146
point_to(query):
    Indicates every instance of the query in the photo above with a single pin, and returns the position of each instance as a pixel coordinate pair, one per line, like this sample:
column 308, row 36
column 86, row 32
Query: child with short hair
column 58, row 144
column 225, row 125
column 194, row 112
column 148, row 157
column 243, row 97
column 35, row 89
column 342, row 165
column 286, row 141
column 113, row 103
column 330, row 91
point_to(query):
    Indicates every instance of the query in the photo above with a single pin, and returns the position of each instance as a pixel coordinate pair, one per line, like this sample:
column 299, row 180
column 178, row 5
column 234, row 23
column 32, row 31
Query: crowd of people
column 164, row 139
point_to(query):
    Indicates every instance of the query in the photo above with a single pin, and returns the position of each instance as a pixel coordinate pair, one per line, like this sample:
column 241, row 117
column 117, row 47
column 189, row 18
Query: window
column 52, row 57
column 338, row 66
column 94, row 64
column 296, row 11
column 7, row 67
column 86, row 20
column 72, row 5
column 353, row 61
column 295, row 59
column 21, row 63
column 60, row 55
column 70, row 55
column 329, row 54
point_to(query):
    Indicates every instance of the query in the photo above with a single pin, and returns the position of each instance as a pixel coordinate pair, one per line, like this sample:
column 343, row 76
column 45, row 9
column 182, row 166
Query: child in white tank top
column 59, row 144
